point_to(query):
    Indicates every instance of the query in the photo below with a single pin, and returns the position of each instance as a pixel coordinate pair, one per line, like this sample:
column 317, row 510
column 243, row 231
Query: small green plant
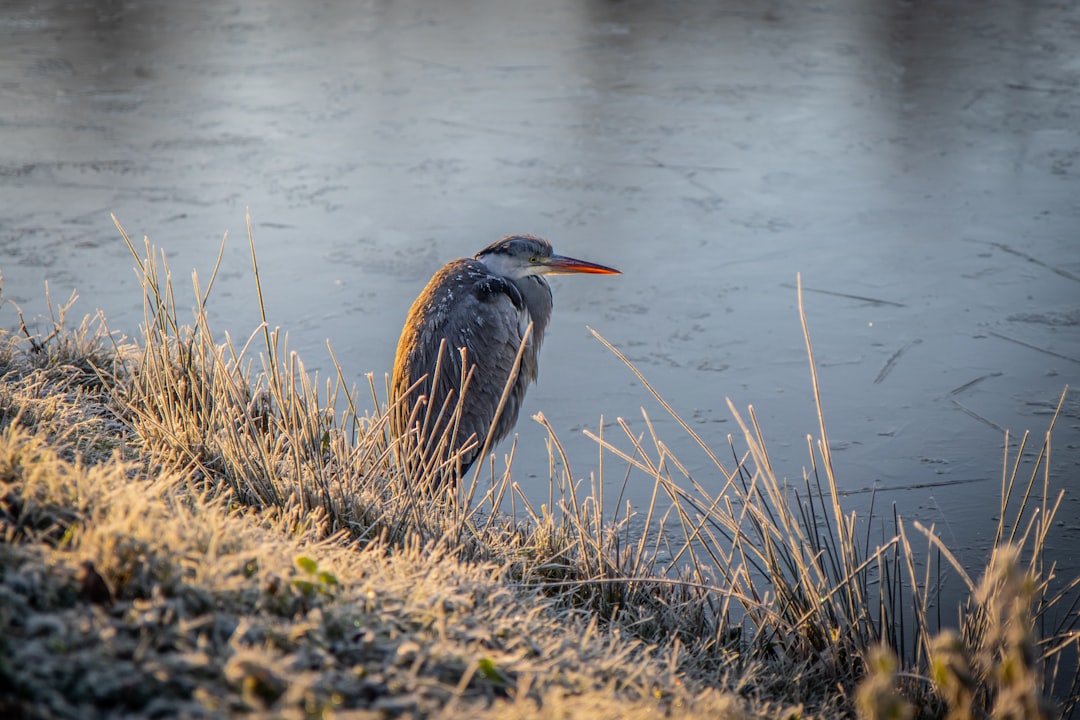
column 317, row 582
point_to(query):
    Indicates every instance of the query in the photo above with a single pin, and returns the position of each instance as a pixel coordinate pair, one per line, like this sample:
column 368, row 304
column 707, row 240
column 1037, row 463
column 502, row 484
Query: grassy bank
column 189, row 528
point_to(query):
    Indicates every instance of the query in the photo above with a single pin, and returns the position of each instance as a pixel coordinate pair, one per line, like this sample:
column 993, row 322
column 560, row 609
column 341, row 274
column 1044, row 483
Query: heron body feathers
column 485, row 314
column 461, row 340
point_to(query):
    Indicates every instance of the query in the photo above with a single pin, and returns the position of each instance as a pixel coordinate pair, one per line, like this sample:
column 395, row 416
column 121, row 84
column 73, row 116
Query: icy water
column 918, row 163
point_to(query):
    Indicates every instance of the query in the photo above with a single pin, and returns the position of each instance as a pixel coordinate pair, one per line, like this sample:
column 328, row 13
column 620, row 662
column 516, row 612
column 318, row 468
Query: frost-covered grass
column 189, row 528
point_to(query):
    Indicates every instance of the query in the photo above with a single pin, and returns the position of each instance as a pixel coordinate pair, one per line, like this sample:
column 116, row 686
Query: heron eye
column 534, row 259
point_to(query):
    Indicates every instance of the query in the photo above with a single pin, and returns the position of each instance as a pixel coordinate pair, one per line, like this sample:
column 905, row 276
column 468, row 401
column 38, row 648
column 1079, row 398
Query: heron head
column 519, row 256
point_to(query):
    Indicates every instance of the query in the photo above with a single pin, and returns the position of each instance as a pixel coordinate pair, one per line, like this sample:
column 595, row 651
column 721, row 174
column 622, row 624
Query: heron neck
column 537, row 295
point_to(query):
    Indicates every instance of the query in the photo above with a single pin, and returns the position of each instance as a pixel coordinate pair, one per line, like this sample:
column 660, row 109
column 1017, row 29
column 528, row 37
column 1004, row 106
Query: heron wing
column 481, row 316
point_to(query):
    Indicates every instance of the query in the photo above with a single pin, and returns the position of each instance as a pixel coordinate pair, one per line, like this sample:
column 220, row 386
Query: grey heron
column 477, row 309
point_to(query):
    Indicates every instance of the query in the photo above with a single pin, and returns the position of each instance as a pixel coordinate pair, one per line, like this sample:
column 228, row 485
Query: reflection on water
column 919, row 164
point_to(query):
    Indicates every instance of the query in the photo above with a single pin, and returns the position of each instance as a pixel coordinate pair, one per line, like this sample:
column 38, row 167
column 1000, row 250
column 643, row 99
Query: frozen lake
column 919, row 167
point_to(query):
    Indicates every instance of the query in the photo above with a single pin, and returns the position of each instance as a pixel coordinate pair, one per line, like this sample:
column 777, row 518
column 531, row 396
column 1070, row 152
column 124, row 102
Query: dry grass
column 195, row 526
column 130, row 587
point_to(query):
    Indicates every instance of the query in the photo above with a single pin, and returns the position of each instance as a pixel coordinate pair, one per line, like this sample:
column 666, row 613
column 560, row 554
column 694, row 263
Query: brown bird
column 481, row 307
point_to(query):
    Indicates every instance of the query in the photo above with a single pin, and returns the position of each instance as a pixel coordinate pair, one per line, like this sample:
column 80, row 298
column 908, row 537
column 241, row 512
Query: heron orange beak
column 562, row 265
